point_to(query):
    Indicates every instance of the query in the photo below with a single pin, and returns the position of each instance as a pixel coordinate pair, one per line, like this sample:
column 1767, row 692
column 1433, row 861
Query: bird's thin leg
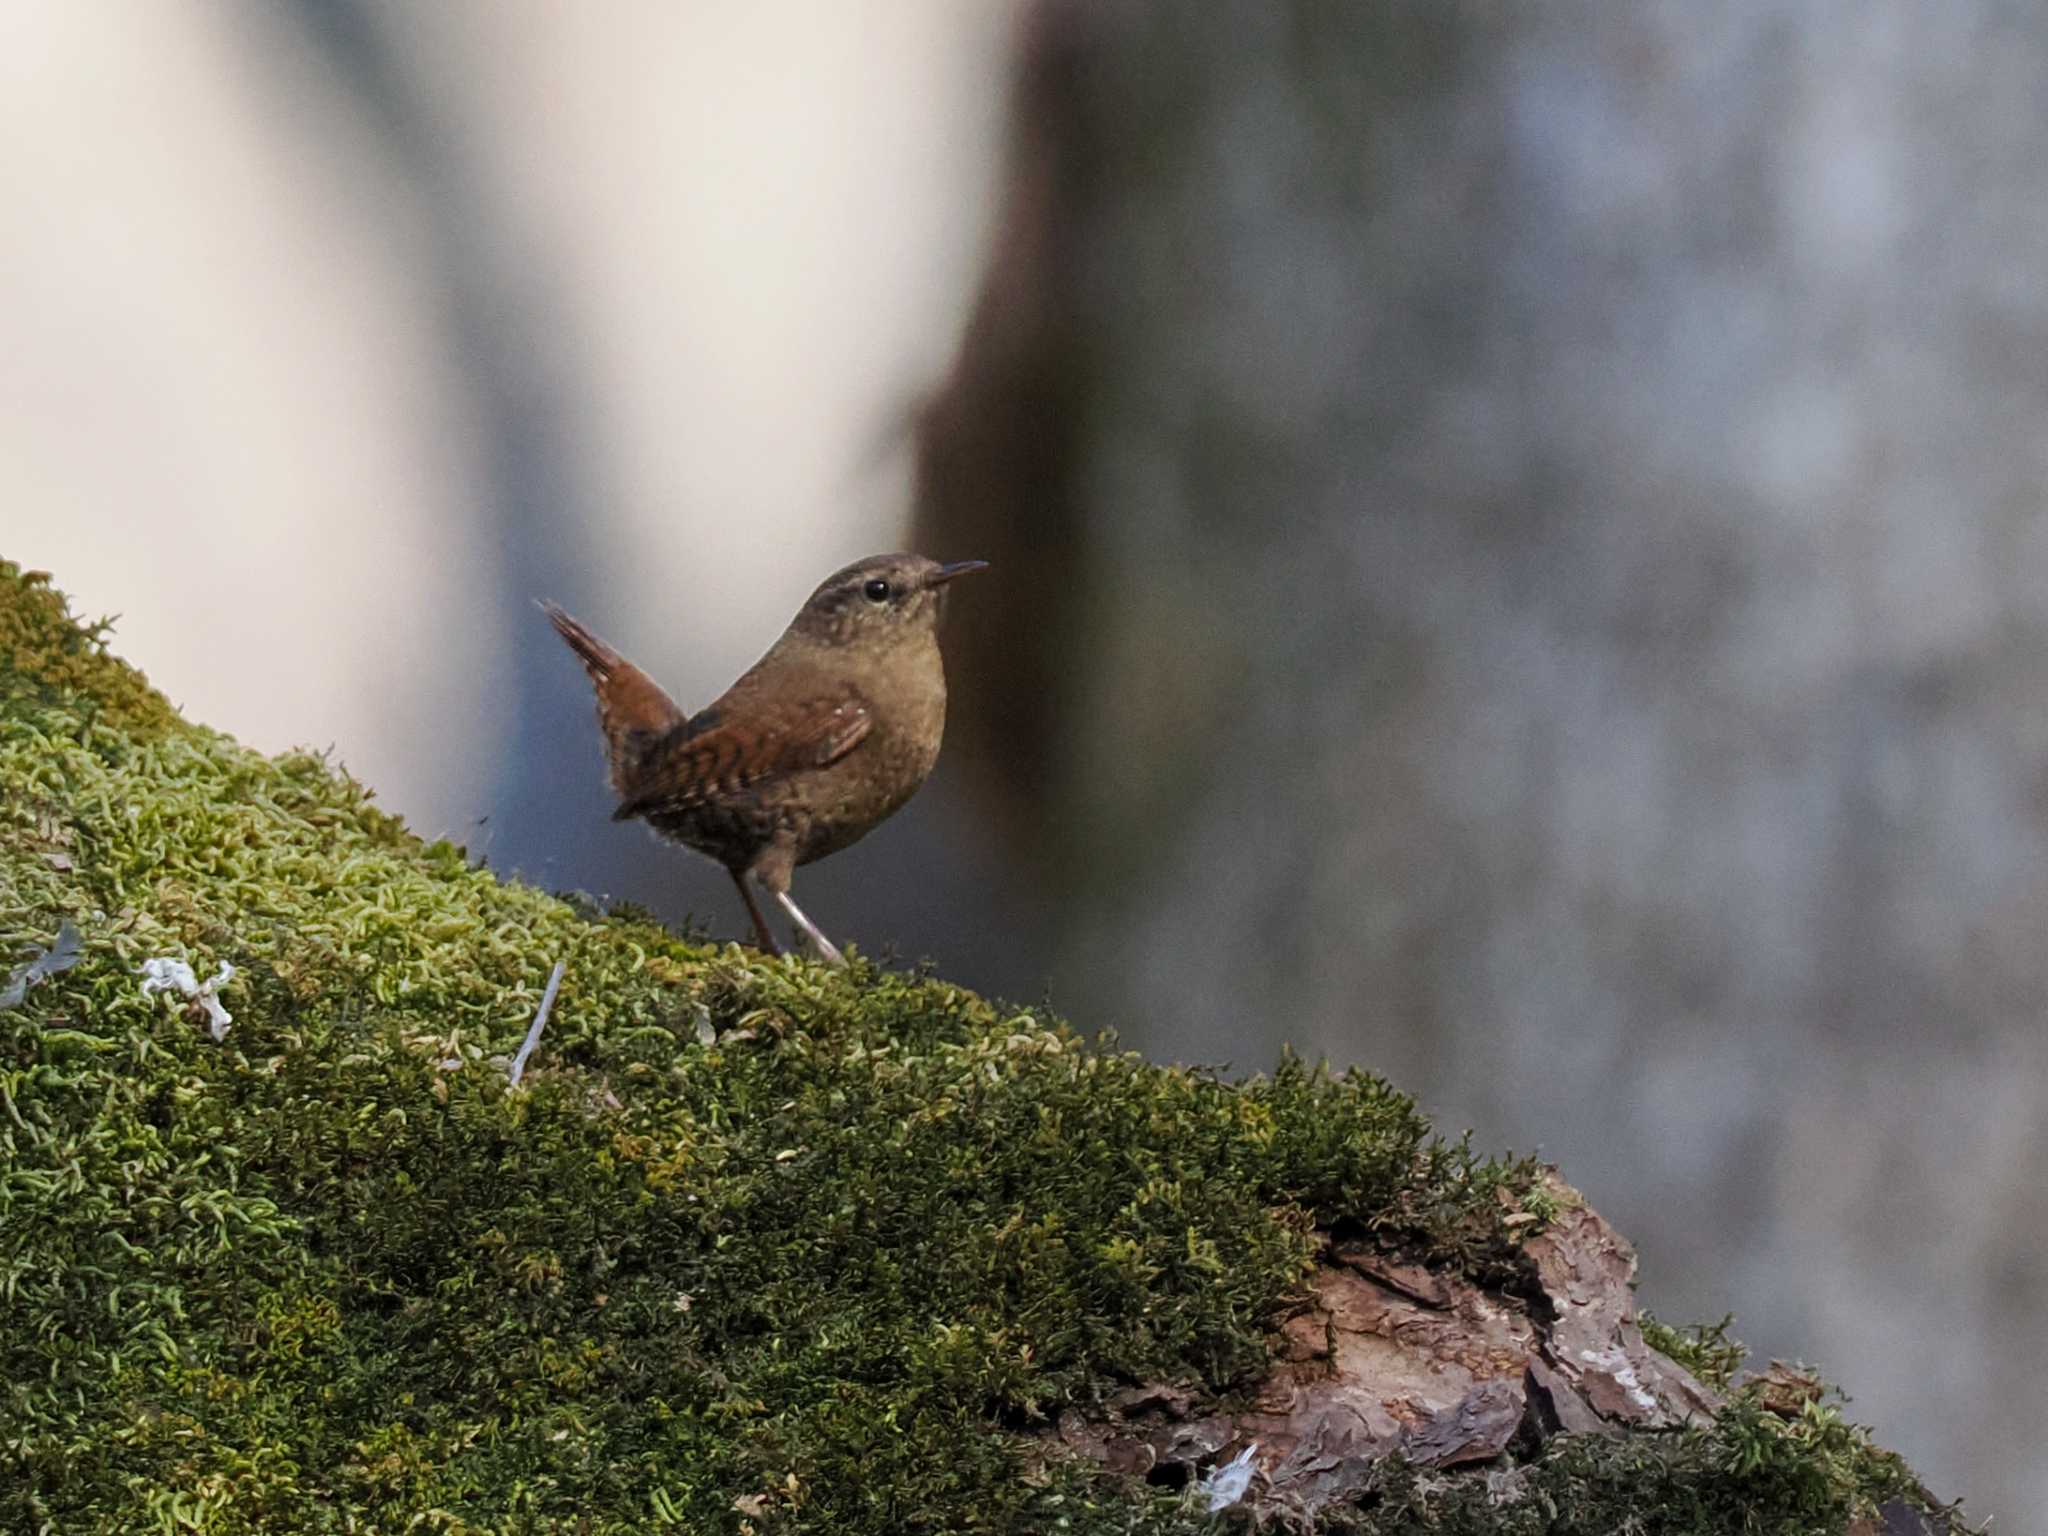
column 826, row 948
column 767, row 939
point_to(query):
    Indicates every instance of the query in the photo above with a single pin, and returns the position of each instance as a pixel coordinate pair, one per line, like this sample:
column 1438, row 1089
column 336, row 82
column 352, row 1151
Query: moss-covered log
column 756, row 1246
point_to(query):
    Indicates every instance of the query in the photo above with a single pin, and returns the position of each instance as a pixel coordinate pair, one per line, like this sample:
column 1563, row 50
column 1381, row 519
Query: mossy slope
column 757, row 1246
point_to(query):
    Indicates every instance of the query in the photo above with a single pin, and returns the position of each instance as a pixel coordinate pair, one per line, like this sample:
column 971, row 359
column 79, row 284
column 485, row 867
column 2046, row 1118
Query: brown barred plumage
column 817, row 743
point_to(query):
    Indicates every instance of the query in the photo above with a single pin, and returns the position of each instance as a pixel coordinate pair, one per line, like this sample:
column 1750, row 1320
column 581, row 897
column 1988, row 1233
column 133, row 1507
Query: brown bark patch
column 1391, row 1356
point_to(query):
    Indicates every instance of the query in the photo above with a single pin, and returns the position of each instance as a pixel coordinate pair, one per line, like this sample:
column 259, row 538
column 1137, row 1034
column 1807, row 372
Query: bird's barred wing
column 733, row 757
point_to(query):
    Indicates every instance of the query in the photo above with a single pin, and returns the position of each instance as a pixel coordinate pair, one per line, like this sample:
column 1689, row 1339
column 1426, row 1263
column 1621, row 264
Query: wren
column 819, row 742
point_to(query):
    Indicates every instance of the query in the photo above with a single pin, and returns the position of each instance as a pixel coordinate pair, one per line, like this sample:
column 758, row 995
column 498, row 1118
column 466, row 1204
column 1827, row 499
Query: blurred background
column 1519, row 543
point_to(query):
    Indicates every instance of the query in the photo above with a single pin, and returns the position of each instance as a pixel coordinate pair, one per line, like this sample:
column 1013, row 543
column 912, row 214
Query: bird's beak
column 946, row 573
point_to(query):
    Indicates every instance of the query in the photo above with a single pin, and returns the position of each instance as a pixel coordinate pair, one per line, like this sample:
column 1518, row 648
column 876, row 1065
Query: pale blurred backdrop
column 1518, row 533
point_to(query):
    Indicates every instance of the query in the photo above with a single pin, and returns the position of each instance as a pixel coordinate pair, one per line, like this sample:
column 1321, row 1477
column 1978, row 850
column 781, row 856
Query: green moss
column 333, row 1274
column 1705, row 1349
column 47, row 657
column 1753, row 1473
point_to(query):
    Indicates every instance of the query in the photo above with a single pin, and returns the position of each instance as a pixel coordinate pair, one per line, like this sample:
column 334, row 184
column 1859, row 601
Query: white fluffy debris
column 165, row 974
column 1231, row 1481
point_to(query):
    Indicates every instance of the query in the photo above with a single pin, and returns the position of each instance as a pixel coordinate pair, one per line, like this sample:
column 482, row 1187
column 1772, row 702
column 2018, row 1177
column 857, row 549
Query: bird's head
column 880, row 598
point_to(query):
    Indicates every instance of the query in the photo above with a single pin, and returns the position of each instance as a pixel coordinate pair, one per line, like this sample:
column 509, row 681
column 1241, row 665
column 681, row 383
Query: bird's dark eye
column 877, row 591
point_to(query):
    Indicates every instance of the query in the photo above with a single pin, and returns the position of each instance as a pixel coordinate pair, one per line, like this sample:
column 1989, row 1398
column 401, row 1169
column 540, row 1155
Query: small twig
column 547, row 1001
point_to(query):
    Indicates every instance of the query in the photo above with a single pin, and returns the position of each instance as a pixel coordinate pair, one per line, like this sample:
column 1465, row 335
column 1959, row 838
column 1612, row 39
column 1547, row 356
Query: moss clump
column 1705, row 1349
column 758, row 1246
column 47, row 657
column 1753, row 1473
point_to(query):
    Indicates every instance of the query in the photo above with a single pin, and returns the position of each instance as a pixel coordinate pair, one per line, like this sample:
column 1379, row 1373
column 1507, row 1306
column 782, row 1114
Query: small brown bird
column 813, row 748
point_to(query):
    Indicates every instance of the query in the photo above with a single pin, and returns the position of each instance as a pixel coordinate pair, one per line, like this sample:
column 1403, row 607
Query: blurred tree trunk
column 1524, row 566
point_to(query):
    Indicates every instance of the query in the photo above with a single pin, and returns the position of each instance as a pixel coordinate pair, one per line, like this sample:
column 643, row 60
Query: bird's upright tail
column 598, row 659
column 632, row 711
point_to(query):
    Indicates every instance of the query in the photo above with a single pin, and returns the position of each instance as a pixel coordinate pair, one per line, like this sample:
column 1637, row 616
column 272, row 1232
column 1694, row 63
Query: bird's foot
column 827, row 950
column 763, row 935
